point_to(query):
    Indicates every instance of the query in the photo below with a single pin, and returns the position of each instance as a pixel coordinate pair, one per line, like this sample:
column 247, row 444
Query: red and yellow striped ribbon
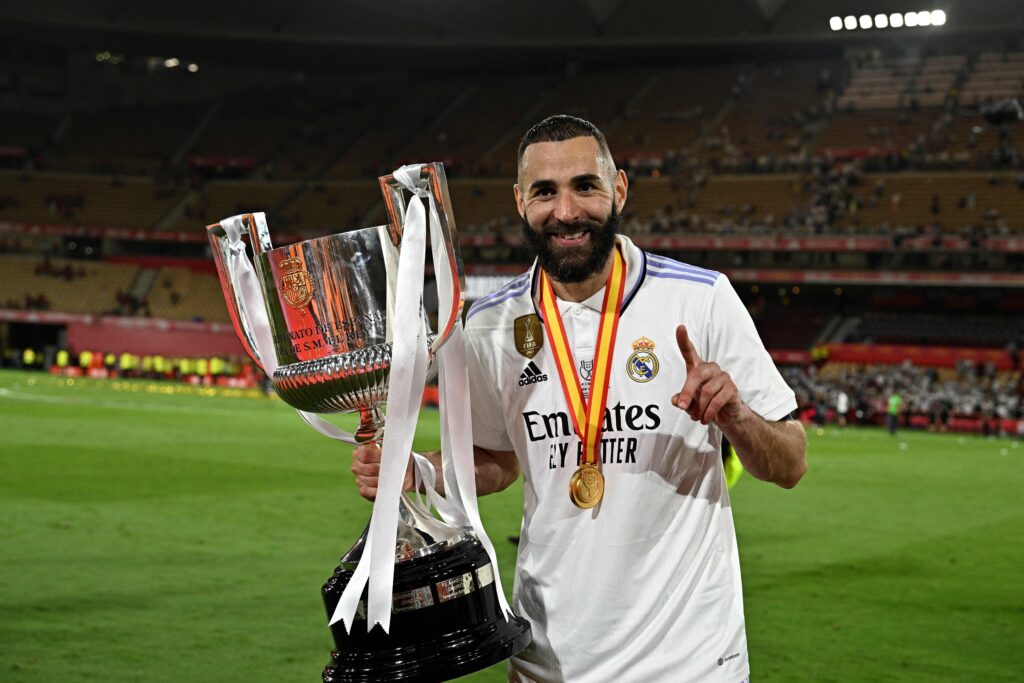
column 587, row 416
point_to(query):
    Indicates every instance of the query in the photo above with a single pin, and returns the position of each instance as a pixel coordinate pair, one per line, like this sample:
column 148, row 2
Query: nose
column 567, row 210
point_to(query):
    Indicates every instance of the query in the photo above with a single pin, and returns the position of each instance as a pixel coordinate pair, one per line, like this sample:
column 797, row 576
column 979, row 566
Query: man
column 842, row 406
column 892, row 417
column 627, row 565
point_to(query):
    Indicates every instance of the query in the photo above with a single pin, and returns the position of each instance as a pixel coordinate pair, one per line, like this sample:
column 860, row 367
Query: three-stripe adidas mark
column 532, row 375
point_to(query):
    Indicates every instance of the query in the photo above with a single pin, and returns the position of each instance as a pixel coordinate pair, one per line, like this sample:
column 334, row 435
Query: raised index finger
column 687, row 348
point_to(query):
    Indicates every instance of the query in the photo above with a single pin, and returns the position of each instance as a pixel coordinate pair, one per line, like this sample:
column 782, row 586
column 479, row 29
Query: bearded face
column 573, row 263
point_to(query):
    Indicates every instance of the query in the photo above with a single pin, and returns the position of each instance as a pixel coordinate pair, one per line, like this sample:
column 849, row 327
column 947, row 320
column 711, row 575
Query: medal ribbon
column 587, row 416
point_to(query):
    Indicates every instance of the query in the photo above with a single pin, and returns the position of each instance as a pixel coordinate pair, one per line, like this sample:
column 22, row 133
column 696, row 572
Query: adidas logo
column 532, row 375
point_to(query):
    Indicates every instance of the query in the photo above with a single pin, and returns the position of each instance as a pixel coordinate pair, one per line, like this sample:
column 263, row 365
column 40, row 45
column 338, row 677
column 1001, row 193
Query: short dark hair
column 558, row 128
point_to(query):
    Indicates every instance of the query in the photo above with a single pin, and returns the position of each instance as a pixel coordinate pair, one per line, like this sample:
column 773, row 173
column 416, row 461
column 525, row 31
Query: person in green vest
column 84, row 361
column 124, row 364
column 202, row 368
column 731, row 463
column 63, row 359
column 28, row 358
column 159, row 367
column 893, row 417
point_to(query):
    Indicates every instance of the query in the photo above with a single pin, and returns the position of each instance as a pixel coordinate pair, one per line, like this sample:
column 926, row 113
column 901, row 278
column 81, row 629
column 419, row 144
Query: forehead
column 563, row 160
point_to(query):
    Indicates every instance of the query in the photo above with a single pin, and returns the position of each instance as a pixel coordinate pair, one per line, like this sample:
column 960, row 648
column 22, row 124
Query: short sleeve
column 735, row 345
column 489, row 429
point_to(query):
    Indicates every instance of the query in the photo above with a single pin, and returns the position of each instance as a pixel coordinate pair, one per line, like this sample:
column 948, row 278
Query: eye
column 585, row 186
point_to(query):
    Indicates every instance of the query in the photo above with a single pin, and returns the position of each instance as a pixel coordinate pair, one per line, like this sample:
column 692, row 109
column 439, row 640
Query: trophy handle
column 259, row 236
column 438, row 185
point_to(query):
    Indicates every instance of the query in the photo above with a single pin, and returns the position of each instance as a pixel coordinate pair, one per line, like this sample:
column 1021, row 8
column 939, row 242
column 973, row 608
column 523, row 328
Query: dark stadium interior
column 861, row 187
column 855, row 169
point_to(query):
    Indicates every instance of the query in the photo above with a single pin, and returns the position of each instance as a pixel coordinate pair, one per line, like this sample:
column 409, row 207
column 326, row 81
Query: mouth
column 570, row 239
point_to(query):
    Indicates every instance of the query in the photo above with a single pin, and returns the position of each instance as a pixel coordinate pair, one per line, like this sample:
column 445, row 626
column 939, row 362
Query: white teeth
column 572, row 235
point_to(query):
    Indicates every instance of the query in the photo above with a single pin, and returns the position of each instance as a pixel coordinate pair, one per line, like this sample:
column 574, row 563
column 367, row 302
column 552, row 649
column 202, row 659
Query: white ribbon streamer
column 457, row 459
column 456, row 431
column 409, row 359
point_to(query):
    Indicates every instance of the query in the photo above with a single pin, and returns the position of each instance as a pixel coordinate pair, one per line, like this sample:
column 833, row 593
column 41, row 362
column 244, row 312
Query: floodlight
column 881, row 21
column 850, row 22
column 171, row 62
column 896, row 20
column 865, row 21
column 836, row 23
column 910, row 19
column 192, row 68
column 924, row 18
column 938, row 17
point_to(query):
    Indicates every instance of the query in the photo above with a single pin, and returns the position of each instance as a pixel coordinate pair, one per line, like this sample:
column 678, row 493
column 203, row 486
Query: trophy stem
column 371, row 425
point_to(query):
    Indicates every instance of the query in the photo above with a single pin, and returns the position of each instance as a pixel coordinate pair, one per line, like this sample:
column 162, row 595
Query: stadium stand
column 134, row 141
column 85, row 199
column 772, row 150
column 182, row 294
column 67, row 285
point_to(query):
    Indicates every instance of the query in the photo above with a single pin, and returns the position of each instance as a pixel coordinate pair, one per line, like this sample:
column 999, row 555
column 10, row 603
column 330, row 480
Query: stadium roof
column 339, row 33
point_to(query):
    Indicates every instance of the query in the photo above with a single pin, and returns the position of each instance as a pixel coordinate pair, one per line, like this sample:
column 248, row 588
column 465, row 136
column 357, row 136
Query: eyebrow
column 583, row 177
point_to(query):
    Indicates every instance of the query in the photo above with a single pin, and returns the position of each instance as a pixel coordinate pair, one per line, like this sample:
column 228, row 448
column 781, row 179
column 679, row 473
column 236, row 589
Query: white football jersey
column 645, row 586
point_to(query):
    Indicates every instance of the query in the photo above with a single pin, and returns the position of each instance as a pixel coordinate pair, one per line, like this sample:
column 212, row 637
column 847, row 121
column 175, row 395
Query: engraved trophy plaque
column 327, row 342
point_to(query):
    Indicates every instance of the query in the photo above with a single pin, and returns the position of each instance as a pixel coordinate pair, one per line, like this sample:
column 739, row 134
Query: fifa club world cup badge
column 296, row 285
column 529, row 335
column 642, row 365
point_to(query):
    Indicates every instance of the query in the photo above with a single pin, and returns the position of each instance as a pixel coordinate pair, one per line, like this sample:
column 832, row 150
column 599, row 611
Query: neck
column 581, row 291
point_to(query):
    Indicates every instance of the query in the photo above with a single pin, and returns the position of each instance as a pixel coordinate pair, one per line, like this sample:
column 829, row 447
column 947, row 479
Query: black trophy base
column 445, row 622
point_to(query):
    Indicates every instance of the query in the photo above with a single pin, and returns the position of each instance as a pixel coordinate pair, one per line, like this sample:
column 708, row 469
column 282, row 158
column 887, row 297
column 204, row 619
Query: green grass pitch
column 155, row 535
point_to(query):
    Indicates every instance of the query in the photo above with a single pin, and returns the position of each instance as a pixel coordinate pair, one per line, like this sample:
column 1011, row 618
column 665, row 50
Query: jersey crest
column 642, row 365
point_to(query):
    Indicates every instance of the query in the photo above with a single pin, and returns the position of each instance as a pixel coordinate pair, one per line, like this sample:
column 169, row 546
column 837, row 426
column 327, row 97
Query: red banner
column 196, row 265
column 867, row 277
column 790, row 356
column 118, row 335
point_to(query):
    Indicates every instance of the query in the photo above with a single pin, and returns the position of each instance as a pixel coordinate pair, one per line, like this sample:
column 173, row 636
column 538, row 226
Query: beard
column 574, row 264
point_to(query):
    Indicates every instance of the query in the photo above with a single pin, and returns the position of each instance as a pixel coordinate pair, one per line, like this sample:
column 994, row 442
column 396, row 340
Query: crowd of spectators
column 67, row 272
column 30, row 302
column 971, row 391
column 129, row 304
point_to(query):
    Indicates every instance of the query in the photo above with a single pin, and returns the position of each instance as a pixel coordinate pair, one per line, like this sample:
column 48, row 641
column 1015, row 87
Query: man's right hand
column 366, row 467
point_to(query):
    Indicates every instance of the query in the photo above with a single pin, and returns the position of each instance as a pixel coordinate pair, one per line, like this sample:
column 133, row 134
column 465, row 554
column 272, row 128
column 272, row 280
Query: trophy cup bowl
column 329, row 304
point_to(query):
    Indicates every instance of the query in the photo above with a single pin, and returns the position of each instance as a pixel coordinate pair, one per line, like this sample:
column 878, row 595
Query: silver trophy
column 330, row 306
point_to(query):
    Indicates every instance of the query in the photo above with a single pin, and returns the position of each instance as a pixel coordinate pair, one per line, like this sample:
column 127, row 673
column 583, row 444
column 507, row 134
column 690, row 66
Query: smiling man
column 608, row 376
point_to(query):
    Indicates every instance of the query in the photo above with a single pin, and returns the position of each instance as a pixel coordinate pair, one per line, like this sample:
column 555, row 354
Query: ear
column 519, row 199
column 621, row 190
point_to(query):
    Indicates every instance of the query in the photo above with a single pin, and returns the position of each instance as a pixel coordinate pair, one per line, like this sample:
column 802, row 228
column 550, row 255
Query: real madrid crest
column 642, row 365
column 296, row 285
column 529, row 335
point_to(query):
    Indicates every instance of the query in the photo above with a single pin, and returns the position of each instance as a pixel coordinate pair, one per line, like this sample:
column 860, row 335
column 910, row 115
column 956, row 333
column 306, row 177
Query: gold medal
column 586, row 488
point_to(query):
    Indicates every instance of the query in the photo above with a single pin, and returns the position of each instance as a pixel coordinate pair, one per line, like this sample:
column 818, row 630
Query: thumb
column 687, row 348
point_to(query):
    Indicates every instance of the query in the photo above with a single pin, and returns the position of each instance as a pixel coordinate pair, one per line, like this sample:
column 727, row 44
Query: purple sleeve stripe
column 515, row 283
column 669, row 264
column 675, row 275
column 491, row 301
